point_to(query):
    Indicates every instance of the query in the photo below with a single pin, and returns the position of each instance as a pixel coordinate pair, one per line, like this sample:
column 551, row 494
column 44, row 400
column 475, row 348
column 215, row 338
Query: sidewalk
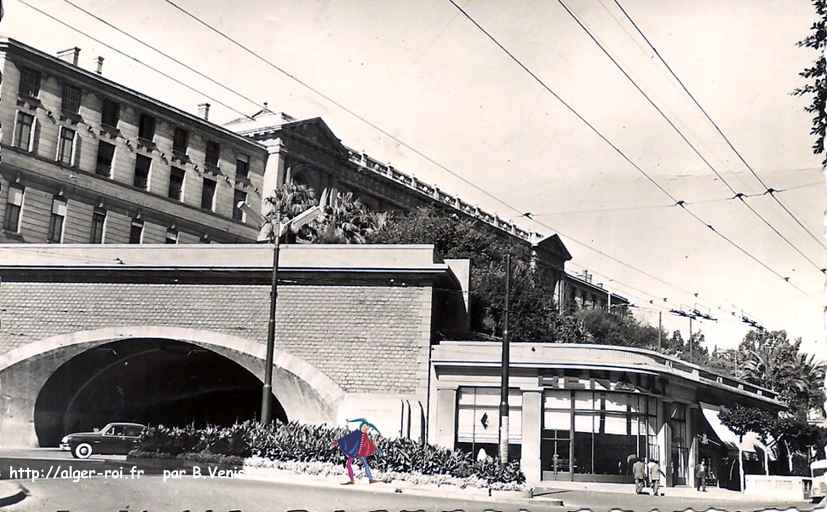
column 715, row 493
column 432, row 491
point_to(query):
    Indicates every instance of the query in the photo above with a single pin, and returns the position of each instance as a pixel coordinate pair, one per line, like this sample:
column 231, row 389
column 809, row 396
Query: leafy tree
column 815, row 77
column 771, row 360
column 533, row 313
column 741, row 419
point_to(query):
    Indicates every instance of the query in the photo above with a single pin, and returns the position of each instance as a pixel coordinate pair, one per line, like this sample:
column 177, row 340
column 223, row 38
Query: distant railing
column 365, row 162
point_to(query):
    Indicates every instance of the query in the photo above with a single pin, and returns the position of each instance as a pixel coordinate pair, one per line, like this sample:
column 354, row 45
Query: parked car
column 114, row 438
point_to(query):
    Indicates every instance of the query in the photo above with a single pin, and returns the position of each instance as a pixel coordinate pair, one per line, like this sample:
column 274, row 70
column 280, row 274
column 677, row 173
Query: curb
column 298, row 479
column 11, row 493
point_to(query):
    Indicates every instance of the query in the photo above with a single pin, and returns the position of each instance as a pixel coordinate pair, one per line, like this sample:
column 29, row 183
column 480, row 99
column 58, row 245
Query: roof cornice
column 9, row 45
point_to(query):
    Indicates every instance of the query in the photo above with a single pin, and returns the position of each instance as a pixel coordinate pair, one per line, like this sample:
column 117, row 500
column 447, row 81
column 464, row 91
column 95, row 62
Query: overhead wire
column 135, row 59
column 620, row 152
column 167, row 55
column 720, row 131
column 663, row 206
column 341, row 106
column 689, row 143
column 413, row 149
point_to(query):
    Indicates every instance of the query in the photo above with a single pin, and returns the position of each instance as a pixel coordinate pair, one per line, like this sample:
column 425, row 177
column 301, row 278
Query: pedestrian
column 639, row 471
column 358, row 444
column 654, row 476
column 700, row 476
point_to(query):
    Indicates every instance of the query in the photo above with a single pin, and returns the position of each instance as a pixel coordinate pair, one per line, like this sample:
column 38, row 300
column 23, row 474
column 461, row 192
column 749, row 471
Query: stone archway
column 306, row 394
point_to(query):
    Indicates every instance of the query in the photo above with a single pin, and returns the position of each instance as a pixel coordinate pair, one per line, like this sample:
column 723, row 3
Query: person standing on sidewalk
column 700, row 476
column 654, row 476
column 358, row 444
column 639, row 472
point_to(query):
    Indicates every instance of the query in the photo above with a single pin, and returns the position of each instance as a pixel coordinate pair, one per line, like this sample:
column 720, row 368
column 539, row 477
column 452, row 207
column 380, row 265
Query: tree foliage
column 533, row 312
column 815, row 77
column 345, row 220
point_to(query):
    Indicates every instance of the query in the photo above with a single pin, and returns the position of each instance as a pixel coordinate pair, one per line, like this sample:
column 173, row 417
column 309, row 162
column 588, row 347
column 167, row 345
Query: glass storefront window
column 610, row 429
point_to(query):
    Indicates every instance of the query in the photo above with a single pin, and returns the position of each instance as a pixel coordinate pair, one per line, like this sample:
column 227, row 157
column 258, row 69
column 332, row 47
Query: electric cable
column 128, row 56
column 618, row 150
column 686, row 139
column 743, row 160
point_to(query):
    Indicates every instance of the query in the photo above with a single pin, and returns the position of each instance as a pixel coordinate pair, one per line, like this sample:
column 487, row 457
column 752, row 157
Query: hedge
column 295, row 442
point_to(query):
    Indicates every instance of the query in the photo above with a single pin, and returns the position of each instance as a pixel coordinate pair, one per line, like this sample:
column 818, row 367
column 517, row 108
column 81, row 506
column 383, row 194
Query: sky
column 424, row 73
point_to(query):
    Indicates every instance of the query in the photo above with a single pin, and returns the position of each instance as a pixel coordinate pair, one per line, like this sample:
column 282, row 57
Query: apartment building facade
column 87, row 160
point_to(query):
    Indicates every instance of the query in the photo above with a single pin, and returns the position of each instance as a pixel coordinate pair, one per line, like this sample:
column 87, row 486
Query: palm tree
column 288, row 201
column 346, row 220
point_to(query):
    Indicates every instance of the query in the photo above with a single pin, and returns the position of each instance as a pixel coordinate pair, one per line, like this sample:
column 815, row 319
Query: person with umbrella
column 358, row 444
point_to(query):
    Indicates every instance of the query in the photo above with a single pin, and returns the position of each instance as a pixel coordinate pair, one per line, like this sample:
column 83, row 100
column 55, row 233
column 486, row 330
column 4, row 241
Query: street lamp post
column 273, row 230
column 267, row 389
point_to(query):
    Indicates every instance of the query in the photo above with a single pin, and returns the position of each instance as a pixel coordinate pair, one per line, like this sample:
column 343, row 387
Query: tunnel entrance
column 149, row 381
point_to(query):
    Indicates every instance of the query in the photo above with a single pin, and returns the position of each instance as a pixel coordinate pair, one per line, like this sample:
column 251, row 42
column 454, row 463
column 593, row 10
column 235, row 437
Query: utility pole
column 505, row 364
column 690, row 340
column 660, row 328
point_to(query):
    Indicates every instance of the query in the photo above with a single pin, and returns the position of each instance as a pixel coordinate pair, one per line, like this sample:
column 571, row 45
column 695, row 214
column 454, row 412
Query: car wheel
column 82, row 451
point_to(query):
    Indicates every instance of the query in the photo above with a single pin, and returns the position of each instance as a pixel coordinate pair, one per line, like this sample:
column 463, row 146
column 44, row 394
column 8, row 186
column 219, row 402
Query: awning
column 727, row 436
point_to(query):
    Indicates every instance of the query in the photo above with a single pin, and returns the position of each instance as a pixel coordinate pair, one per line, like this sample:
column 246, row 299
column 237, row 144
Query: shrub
column 295, row 442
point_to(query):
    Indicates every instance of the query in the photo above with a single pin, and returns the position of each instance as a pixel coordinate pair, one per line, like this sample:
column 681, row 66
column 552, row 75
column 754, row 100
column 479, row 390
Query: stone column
column 664, row 438
column 532, row 416
column 693, row 444
column 446, row 417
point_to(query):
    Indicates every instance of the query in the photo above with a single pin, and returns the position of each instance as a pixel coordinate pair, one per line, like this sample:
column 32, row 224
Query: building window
column 180, row 141
column 29, row 83
column 208, row 194
column 23, row 131
column 98, row 226
column 142, row 165
column 212, row 155
column 71, row 99
column 110, row 113
column 242, row 167
column 172, row 236
column 13, row 207
column 478, row 420
column 56, row 222
column 66, row 146
column 136, row 231
column 238, row 213
column 146, row 128
column 609, row 428
column 106, row 153
column 176, row 184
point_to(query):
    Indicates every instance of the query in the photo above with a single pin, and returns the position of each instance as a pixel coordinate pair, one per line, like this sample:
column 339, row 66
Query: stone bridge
column 176, row 334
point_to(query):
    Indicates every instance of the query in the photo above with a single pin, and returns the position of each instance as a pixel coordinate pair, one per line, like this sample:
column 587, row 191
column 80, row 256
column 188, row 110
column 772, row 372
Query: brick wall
column 365, row 338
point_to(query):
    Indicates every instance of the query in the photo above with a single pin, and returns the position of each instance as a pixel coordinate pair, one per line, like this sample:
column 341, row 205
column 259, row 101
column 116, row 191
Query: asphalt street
column 153, row 493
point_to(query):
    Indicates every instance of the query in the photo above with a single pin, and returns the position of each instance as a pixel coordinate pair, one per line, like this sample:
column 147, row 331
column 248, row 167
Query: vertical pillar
column 664, row 439
column 446, row 417
column 693, row 445
column 571, row 436
column 274, row 172
column 532, row 418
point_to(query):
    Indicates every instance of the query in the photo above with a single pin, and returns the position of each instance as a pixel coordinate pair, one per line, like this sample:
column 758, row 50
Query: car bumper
column 65, row 447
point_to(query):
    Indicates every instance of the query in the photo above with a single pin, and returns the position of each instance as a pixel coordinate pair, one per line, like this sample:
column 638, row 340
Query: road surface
column 153, row 493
